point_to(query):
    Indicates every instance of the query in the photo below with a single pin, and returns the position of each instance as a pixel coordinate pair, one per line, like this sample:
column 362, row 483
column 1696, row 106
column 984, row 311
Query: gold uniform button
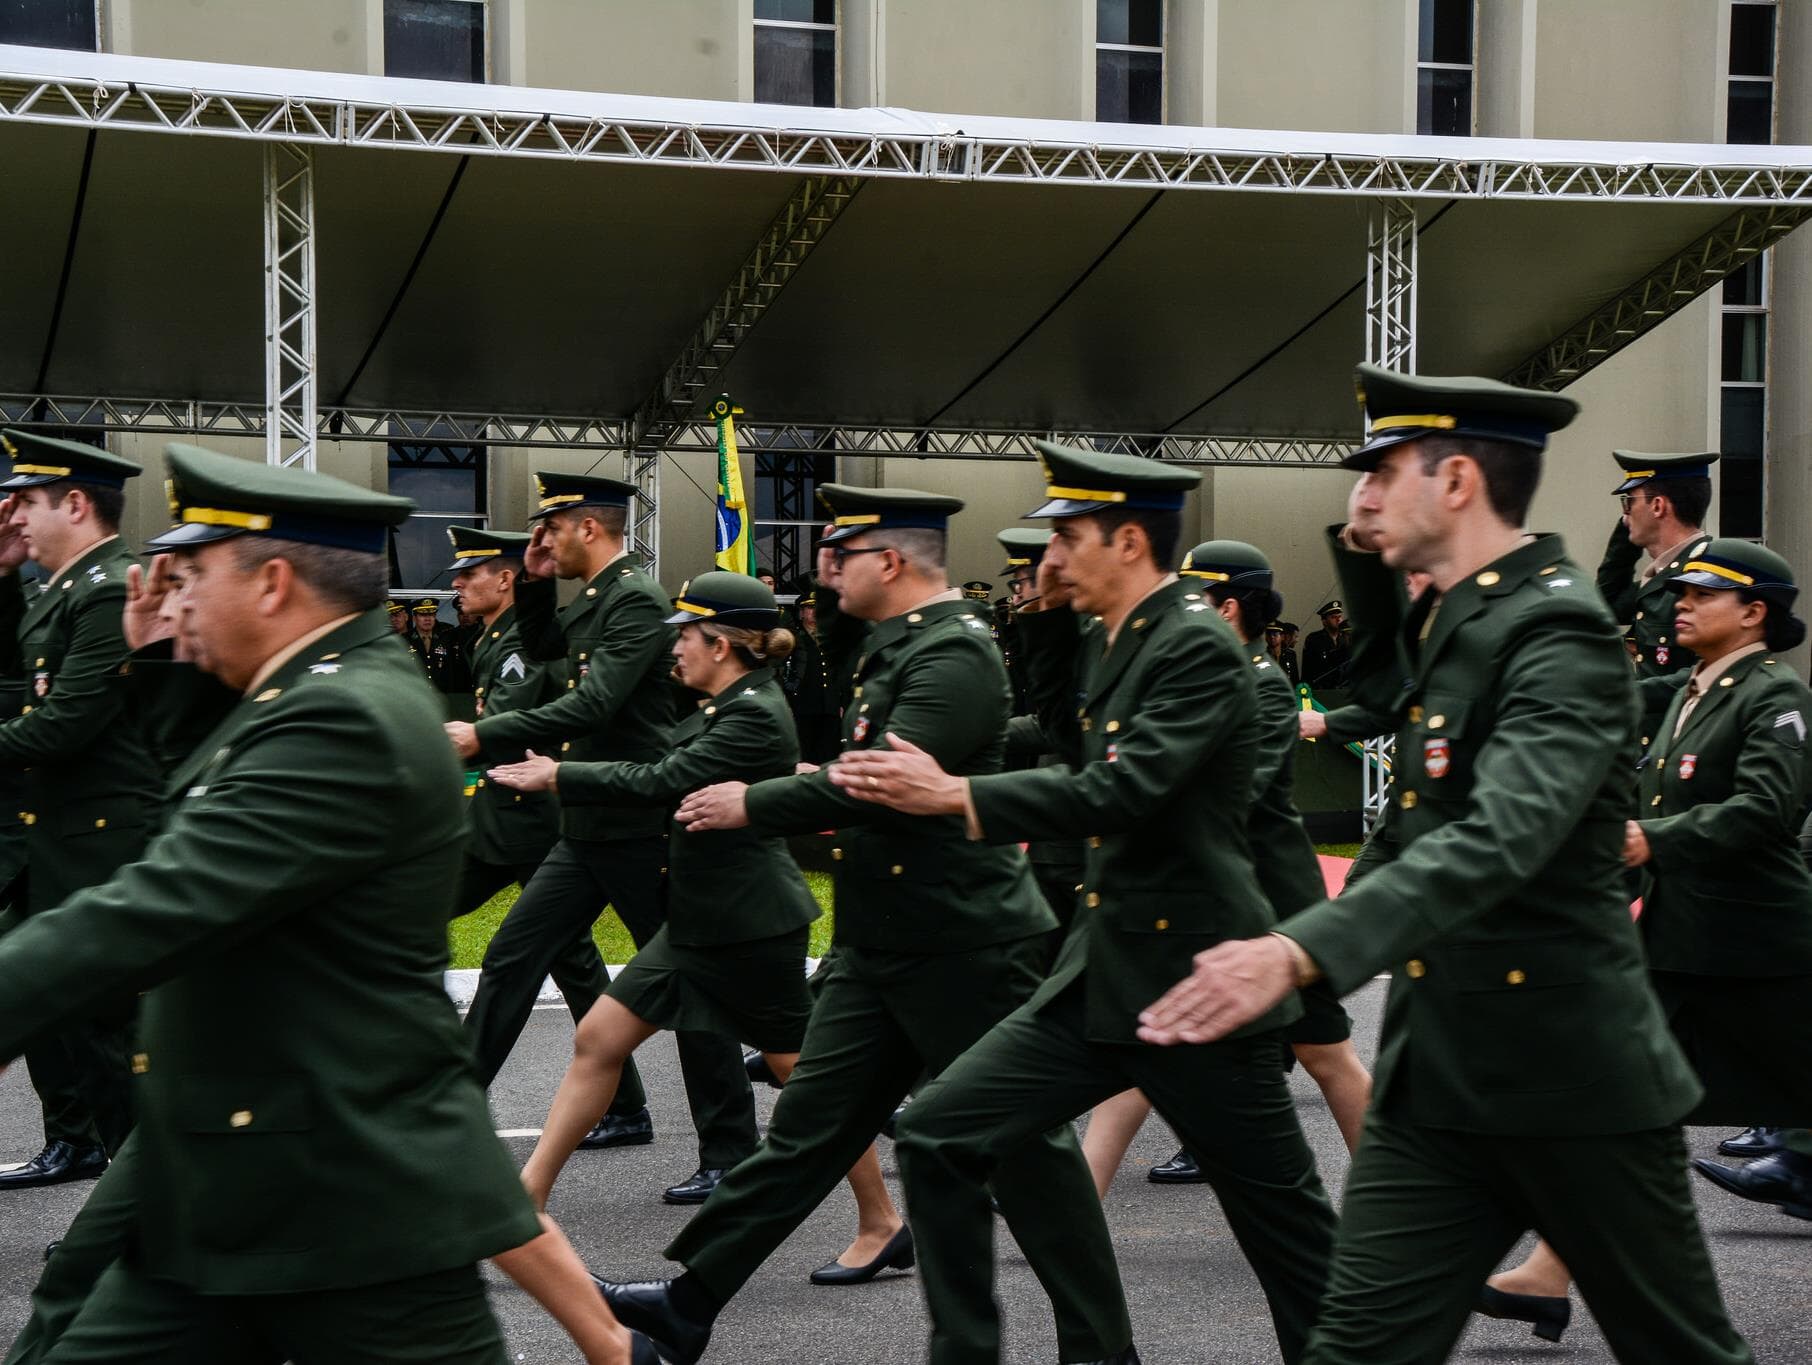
column 1552, row 567
column 710, row 710
column 1656, row 801
column 242, row 1118
column 1436, row 722
column 1415, row 969
column 1407, row 800
column 1139, row 624
column 1639, row 616
column 1161, row 925
column 1094, row 841
column 496, row 634
column 101, row 823
column 1638, row 658
column 1661, row 639
column 1113, row 726
column 898, row 870
column 40, row 663
column 572, row 682
column 1726, row 682
column 481, row 782
column 141, row 1063
column 1489, row 579
column 1094, row 900
column 591, row 592
column 1515, row 976
column 857, row 693
column 566, row 746
column 26, row 711
column 836, row 855
column 1645, row 741
column 583, row 656
column 30, row 818
column 916, row 617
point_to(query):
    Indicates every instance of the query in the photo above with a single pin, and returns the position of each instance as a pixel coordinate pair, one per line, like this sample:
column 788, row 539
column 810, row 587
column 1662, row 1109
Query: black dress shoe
column 646, row 1306
column 1179, row 1170
column 58, row 1162
column 629, row 1130
column 896, row 1255
column 1550, row 1314
column 641, row 1350
column 756, row 1064
column 1750, row 1142
column 695, row 1188
column 1783, row 1178
column 893, row 1120
column 51, row 1250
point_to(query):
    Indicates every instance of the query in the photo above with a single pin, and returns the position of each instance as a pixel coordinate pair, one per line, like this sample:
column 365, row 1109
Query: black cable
column 69, row 250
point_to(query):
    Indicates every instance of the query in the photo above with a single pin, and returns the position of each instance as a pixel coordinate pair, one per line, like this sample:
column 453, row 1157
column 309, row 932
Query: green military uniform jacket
column 90, row 792
column 1519, row 1000
column 620, row 702
column 1289, row 872
column 308, row 1114
column 1721, row 805
column 1647, row 609
column 1161, row 748
column 510, row 827
column 723, row 886
column 915, row 883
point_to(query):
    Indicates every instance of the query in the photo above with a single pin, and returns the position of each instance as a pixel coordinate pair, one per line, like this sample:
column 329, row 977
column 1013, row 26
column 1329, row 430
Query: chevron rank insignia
column 513, row 667
column 323, row 668
column 1793, row 721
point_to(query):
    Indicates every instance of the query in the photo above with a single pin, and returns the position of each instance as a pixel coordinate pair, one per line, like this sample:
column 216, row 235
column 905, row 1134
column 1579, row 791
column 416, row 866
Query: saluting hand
column 535, row 773
column 1232, row 984
column 464, row 736
column 904, row 777
column 12, row 544
column 537, row 558
column 1053, row 595
column 145, row 620
column 722, row 806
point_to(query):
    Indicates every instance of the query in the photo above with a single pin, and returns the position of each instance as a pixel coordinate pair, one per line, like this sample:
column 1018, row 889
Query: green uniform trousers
column 1428, row 1213
column 578, row 971
column 882, row 1018
column 1230, row 1103
column 94, row 1306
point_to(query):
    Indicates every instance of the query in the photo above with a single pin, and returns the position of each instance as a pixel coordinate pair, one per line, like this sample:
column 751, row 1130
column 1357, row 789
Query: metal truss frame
column 992, row 443
column 1657, row 296
column 289, row 305
column 319, row 120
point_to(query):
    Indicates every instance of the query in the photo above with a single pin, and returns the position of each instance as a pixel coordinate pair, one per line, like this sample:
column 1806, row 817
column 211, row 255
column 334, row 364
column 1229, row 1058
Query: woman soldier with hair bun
column 731, row 957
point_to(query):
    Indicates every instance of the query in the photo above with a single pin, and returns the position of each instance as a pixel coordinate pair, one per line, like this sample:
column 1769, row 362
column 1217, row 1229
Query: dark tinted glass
column 1740, row 497
column 1129, row 87
column 795, row 66
column 1445, row 34
column 1752, row 40
column 1751, row 118
column 1744, row 427
column 1745, row 347
column 1743, row 286
column 1444, row 102
column 1139, row 22
column 436, row 40
column 797, row 11
column 48, row 23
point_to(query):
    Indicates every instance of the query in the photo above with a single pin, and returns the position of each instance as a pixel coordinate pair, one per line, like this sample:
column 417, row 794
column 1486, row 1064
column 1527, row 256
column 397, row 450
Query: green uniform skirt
column 753, row 991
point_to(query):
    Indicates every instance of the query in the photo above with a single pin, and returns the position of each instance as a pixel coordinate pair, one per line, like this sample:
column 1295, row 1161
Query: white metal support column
column 289, row 305
column 1390, row 340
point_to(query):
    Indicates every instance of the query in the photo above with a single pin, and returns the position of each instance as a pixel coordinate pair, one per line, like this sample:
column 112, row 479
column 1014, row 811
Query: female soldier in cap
column 1727, row 914
column 729, row 959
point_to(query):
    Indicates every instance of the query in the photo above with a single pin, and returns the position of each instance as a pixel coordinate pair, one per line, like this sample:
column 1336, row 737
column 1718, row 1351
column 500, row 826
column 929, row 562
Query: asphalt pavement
column 1192, row 1297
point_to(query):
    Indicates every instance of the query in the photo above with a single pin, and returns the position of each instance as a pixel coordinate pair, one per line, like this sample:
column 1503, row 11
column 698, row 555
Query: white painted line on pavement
column 519, row 1132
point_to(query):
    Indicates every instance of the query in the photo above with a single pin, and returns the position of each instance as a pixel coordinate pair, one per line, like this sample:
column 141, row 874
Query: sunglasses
column 841, row 553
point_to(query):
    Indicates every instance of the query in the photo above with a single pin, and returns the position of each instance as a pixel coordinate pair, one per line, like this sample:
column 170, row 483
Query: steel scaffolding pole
column 289, row 305
column 1390, row 340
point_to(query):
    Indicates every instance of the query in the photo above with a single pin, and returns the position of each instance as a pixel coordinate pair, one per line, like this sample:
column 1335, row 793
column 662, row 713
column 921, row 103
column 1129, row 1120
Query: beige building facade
column 1616, row 69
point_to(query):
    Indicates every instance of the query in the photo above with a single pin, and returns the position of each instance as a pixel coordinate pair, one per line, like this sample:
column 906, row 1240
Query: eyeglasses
column 1630, row 500
column 841, row 552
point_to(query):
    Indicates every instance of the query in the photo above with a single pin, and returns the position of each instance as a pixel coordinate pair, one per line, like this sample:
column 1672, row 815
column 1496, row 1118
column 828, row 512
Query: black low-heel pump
column 1548, row 1314
column 896, row 1255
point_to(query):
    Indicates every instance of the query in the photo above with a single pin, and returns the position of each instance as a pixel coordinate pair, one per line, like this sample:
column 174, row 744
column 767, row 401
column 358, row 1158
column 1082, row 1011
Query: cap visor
column 1698, row 579
column 1066, row 507
column 1371, row 454
column 27, row 480
column 836, row 533
column 190, row 534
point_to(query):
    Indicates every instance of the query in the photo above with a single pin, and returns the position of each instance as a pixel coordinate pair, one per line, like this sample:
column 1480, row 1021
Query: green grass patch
column 1339, row 850
column 470, row 934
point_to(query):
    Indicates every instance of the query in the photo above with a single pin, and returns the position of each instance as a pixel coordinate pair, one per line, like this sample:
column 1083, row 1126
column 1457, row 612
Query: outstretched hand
column 902, row 776
column 536, row 773
column 723, row 806
column 1233, row 983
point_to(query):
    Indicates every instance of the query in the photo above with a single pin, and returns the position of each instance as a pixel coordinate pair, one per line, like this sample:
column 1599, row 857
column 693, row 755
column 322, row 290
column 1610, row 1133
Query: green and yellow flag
column 735, row 546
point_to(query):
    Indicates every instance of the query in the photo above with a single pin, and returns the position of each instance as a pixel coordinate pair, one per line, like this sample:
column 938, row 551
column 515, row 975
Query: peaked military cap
column 1402, row 407
column 395, row 608
column 473, row 546
column 1639, row 468
column 1328, row 608
column 978, row 590
column 427, row 604
column 1727, row 562
column 857, row 510
column 557, row 492
column 1025, row 547
column 731, row 599
column 1232, row 562
column 40, row 460
column 1277, row 626
column 1082, row 482
column 214, row 496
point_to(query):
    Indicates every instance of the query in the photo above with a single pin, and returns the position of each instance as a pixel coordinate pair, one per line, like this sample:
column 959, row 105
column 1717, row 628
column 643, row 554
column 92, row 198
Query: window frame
column 1163, row 55
column 476, row 458
column 1471, row 68
column 100, row 31
column 485, row 34
column 834, row 28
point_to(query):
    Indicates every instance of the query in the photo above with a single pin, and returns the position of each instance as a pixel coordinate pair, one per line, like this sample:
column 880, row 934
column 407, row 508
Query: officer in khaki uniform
column 937, row 939
column 89, row 777
column 1525, row 1076
column 619, row 704
column 511, row 832
column 1165, row 723
column 292, row 1192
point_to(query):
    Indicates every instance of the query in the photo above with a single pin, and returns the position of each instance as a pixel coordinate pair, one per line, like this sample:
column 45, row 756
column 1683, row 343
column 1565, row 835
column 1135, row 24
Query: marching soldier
column 1167, row 716
column 1525, row 1075
column 619, row 704
column 1664, row 499
column 88, row 773
column 511, row 832
column 295, row 1023
column 937, row 938
column 438, row 648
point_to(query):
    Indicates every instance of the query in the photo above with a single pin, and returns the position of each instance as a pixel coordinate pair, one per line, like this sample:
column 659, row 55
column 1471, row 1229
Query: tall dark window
column 72, row 24
column 796, row 52
column 1129, row 61
column 448, row 485
column 1445, row 66
column 436, row 40
column 1743, row 363
column 1750, row 104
